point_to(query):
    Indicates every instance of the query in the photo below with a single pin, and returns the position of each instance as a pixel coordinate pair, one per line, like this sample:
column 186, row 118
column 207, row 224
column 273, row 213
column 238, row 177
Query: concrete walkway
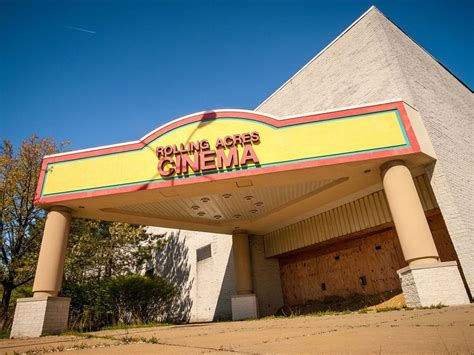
column 446, row 330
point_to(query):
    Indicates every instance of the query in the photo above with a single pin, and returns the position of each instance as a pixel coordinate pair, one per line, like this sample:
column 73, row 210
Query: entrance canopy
column 226, row 170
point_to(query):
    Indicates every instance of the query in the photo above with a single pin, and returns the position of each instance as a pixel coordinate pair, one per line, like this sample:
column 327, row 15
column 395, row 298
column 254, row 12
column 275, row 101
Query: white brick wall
column 204, row 288
column 374, row 61
column 207, row 287
column 433, row 284
column 40, row 316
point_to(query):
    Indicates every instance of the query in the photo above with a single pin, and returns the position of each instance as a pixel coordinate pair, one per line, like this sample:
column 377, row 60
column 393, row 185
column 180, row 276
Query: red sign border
column 398, row 105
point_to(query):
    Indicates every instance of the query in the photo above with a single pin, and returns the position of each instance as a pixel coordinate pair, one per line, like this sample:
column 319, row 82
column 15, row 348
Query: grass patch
column 76, row 333
column 5, row 334
column 323, row 313
column 132, row 326
column 387, row 309
column 435, row 306
column 313, row 314
column 353, row 303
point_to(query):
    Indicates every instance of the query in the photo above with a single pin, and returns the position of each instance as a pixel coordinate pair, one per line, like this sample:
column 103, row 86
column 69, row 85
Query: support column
column 408, row 216
column 244, row 303
column 425, row 281
column 45, row 313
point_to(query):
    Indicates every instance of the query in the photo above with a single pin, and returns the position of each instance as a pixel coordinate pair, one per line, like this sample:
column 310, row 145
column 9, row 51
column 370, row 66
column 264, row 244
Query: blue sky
column 110, row 71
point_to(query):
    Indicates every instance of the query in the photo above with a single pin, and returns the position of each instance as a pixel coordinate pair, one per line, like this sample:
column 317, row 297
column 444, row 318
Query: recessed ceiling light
column 217, row 216
column 248, row 198
column 253, row 211
column 259, row 204
column 226, row 195
column 367, row 171
column 200, row 214
column 81, row 207
column 195, row 207
column 205, row 199
column 237, row 216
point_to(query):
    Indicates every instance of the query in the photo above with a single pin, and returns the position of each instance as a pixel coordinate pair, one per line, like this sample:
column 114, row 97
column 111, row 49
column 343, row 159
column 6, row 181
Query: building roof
column 374, row 36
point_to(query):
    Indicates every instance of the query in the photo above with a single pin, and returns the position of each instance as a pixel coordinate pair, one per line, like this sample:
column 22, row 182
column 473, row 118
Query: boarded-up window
column 203, row 253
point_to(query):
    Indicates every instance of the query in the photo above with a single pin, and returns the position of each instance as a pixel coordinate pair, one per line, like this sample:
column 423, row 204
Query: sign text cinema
column 198, row 156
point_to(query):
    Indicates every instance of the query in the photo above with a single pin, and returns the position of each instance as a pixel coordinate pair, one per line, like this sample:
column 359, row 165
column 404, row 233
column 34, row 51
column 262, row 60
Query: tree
column 99, row 249
column 100, row 275
column 21, row 222
column 96, row 249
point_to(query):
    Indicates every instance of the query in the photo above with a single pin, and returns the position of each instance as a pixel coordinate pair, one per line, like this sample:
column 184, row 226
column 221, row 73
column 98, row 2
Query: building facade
column 371, row 61
column 354, row 177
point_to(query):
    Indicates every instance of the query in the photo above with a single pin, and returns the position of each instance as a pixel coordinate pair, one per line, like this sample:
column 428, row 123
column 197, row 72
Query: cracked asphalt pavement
column 446, row 330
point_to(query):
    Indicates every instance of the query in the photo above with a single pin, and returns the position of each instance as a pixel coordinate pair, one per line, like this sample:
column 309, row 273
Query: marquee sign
column 206, row 159
column 227, row 144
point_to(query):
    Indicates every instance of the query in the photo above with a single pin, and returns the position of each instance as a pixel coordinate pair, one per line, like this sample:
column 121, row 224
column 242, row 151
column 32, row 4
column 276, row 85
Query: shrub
column 137, row 299
column 131, row 299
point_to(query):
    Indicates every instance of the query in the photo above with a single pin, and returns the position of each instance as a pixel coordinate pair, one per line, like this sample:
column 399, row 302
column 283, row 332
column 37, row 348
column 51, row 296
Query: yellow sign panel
column 285, row 142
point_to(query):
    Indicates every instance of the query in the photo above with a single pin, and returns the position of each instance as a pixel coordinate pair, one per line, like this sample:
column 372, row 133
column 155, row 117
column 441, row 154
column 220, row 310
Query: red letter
column 159, row 152
column 247, row 138
column 249, row 155
column 255, row 137
column 168, row 150
column 229, row 142
column 204, row 144
column 219, row 143
column 237, row 139
column 178, row 164
column 187, row 162
column 193, row 146
column 161, row 167
column 227, row 161
column 208, row 157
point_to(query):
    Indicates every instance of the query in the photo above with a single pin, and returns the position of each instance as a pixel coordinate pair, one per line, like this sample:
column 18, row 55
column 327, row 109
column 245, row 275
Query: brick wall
column 424, row 286
column 375, row 61
column 204, row 287
column 265, row 277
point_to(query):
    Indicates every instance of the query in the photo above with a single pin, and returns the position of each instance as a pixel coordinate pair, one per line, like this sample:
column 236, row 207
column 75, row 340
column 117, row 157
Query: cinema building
column 354, row 177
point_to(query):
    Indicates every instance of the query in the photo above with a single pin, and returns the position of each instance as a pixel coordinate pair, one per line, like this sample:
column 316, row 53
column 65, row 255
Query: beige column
column 49, row 271
column 242, row 266
column 410, row 221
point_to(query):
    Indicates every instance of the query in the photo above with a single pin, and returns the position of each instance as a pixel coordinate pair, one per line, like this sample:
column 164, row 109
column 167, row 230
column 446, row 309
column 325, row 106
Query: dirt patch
column 397, row 301
column 354, row 302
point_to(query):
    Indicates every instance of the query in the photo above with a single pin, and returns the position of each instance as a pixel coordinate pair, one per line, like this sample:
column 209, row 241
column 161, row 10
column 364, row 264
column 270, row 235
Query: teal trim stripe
column 243, row 119
column 227, row 171
column 399, row 119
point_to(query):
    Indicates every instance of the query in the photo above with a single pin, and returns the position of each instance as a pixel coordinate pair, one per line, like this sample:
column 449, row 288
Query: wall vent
column 203, row 253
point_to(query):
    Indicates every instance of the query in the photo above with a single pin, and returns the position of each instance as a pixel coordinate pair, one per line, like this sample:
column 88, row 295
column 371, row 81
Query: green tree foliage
column 130, row 299
column 99, row 249
column 100, row 275
column 21, row 222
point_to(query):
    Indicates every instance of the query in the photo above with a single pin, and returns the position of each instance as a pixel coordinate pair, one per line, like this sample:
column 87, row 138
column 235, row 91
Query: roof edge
column 317, row 55
column 373, row 7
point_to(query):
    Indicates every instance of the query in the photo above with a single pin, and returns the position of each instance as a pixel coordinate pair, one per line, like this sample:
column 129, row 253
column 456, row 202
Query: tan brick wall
column 374, row 61
column 266, row 278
